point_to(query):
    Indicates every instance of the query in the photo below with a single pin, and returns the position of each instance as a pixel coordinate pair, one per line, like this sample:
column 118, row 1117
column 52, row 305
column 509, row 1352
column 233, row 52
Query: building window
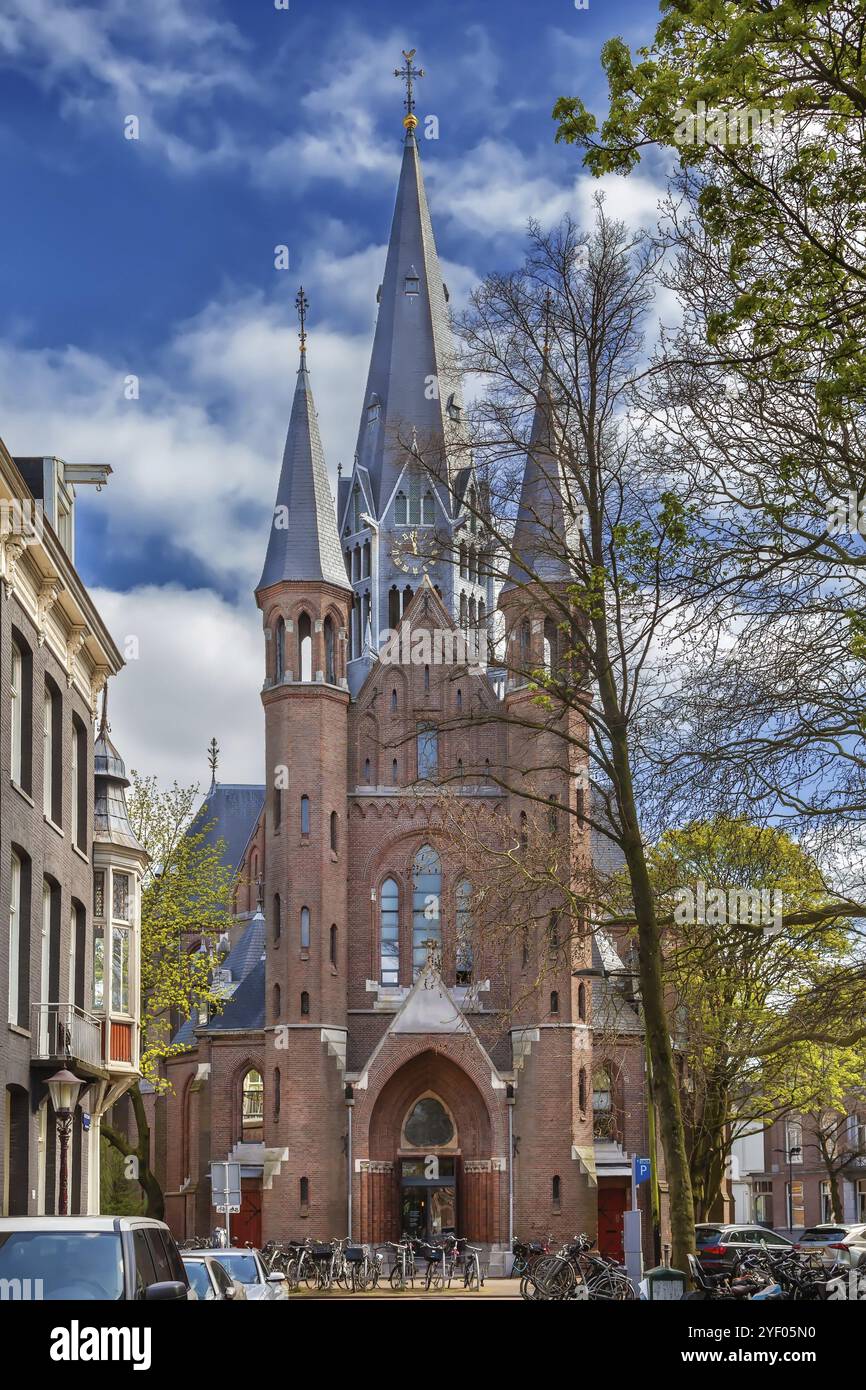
column 305, row 1003
column 278, row 808
column 78, row 785
column 428, row 753
column 794, row 1140
column 395, row 773
column 763, row 1194
column 253, row 1107
column 120, row 969
column 335, row 831
column 120, row 897
column 393, row 702
column 277, row 1003
column 305, row 929
column 459, row 701
column 18, row 944
column 524, row 937
column 305, row 647
column 412, row 283
column 389, row 933
column 553, row 934
column 277, row 1093
column 581, row 1089
column 304, row 1192
column 21, row 692
column 99, row 893
column 401, row 509
column 426, row 679
column 826, row 1201
column 278, row 918
column 428, row 509
column 330, row 661
column 428, row 1125
column 305, row 815
column 556, row 1192
column 464, row 933
column 333, row 945
column 51, row 769
column 524, row 830
column 280, row 650
column 554, row 1002
column 602, row 1104
column 426, row 898
column 581, row 1003
column 15, row 692
column 366, row 769
column 393, row 608
column 98, row 966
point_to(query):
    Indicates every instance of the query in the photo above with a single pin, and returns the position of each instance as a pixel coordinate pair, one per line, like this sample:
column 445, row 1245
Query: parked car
column 246, row 1267
column 210, row 1280
column 837, row 1242
column 109, row 1258
column 717, row 1244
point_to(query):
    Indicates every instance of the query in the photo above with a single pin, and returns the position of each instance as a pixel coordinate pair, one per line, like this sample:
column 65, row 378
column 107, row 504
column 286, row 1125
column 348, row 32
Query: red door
column 612, row 1202
column 247, row 1223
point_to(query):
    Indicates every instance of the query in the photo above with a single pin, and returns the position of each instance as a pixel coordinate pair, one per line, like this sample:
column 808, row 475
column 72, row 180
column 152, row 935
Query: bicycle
column 403, row 1272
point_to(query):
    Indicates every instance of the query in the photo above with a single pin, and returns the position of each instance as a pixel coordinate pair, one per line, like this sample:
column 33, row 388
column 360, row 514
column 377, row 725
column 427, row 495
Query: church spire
column 303, row 542
column 412, row 380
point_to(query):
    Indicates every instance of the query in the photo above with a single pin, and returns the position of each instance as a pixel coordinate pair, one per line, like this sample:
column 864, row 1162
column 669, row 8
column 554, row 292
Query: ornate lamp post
column 64, row 1089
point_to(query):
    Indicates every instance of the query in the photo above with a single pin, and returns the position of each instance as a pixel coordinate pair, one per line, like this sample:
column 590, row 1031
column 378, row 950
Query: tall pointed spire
column 412, row 379
column 303, row 541
column 546, row 516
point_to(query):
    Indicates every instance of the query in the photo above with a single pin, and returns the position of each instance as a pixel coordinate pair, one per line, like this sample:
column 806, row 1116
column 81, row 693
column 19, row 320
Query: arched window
column 482, row 611
column 525, row 648
column 277, row 1003
column 581, row 1089
column 581, row 1003
column 473, row 564
column 393, row 607
column 52, row 781
column 334, row 831
column 389, row 933
column 460, row 768
column 464, row 933
column 395, row 773
column 401, row 509
column 426, row 899
column 426, row 678
column 277, row 1093
column 554, row 1002
column 366, row 769
column 278, row 808
column 280, row 650
column 393, row 702
column 333, row 945
column 330, row 662
column 278, row 918
column 428, row 509
column 428, row 1125
column 253, row 1099
column 553, row 933
column 464, row 612
column 357, row 500
column 304, row 1191
column 427, row 741
column 556, row 1191
column 603, row 1124
column 305, row 647
column 305, row 815
column 365, row 561
column 305, row 929
column 459, row 700
column 305, row 1003
column 464, row 561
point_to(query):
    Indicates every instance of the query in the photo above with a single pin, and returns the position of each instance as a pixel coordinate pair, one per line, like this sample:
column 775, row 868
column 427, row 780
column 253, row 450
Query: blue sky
column 154, row 257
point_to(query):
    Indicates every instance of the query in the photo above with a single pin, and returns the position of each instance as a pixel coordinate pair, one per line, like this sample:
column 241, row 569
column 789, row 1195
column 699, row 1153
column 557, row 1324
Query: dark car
column 718, row 1245
column 106, row 1258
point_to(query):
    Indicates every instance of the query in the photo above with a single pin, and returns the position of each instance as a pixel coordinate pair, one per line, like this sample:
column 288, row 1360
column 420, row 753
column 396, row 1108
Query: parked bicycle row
column 405, row 1264
column 574, row 1271
column 787, row 1275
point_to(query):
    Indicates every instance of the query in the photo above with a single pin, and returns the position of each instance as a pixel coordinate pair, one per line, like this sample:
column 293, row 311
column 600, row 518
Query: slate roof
column 246, row 1008
column 231, row 810
column 303, row 542
column 412, row 341
column 247, row 951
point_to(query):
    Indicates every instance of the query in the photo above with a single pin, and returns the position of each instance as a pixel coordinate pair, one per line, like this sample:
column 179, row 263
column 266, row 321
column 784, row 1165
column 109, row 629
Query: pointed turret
column 411, row 383
column 110, row 815
column 303, row 542
column 546, row 513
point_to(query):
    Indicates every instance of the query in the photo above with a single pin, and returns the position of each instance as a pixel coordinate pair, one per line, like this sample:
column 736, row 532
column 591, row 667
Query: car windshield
column 198, row 1277
column 820, row 1236
column 61, row 1264
column 241, row 1267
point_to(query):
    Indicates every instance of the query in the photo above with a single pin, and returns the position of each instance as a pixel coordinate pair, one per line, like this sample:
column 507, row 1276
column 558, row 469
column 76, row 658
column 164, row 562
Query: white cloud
column 198, row 675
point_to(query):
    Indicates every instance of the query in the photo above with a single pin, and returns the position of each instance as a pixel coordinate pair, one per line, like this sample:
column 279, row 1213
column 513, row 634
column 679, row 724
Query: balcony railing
column 61, row 1031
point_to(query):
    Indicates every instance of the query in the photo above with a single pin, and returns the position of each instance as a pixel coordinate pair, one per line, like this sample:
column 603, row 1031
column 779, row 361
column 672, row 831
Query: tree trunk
column 140, row 1151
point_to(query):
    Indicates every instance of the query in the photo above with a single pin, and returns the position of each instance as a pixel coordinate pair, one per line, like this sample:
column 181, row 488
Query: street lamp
column 789, row 1153
column 64, row 1089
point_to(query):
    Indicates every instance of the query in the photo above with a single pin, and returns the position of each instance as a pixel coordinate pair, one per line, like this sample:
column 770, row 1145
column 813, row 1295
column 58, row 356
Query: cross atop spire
column 302, row 305
column 213, row 757
column 408, row 74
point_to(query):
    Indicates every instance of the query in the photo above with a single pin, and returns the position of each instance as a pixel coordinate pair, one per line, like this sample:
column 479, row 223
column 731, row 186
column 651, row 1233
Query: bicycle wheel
column 396, row 1278
column 292, row 1275
column 554, row 1276
column 472, row 1273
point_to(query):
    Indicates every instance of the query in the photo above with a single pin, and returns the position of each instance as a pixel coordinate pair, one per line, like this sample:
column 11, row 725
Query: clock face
column 413, row 555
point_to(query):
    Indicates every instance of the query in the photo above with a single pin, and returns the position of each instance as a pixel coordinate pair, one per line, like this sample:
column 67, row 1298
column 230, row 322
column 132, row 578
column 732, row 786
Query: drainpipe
column 350, row 1103
column 509, row 1096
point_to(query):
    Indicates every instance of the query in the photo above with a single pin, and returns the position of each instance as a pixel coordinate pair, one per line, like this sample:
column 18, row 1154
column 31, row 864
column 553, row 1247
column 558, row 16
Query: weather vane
column 213, row 757
column 408, row 74
column 302, row 305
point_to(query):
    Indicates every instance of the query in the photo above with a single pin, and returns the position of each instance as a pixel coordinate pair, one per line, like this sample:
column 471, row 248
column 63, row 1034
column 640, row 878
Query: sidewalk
column 492, row 1289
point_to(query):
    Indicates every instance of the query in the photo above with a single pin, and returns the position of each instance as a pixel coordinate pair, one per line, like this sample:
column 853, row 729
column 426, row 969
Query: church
column 376, row 1068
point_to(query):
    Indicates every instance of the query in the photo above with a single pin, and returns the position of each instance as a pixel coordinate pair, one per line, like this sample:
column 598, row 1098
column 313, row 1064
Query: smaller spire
column 302, row 304
column 104, row 726
column 213, row 757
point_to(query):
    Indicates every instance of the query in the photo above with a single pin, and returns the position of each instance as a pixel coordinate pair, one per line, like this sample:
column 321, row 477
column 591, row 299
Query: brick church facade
column 382, row 1063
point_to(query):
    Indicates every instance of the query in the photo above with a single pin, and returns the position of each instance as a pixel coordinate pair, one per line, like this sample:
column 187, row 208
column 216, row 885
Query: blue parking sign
column 642, row 1170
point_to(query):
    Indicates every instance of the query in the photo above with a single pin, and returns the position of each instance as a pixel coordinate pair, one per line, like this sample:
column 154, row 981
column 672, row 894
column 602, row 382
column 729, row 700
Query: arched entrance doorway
column 432, row 1166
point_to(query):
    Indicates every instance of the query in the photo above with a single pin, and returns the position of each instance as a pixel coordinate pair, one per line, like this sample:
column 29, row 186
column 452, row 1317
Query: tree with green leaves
column 185, row 900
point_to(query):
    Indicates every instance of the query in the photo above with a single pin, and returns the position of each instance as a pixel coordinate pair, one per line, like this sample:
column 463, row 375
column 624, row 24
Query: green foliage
column 120, row 1195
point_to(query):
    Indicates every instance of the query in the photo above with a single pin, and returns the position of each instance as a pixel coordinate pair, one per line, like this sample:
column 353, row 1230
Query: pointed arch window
column 277, row 1093
column 357, row 498
column 365, row 560
column 330, row 649
column 253, row 1099
column 464, row 611
column 305, row 1004
column 464, row 562
column 335, row 831
column 366, row 769
column 464, row 954
column 554, row 1002
column 473, row 510
column 395, row 773
column 581, row 1003
column 305, row 815
column 426, row 909
column 401, row 509
column 581, row 1089
column 332, row 949
column 277, row 1003
column 393, row 608
column 305, row 647
column 428, row 509
column 393, row 702
column 280, row 650
column 305, row 929
column 389, row 933
column 473, row 564
column 428, row 753
column 278, row 918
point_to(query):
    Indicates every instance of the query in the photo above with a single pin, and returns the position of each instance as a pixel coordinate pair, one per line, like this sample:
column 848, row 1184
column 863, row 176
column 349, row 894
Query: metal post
column 350, row 1105
column 511, row 1174
column 64, row 1124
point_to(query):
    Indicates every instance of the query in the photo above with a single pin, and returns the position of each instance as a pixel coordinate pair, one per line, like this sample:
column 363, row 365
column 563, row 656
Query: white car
column 245, row 1266
column 90, row 1257
column 210, row 1281
column 846, row 1248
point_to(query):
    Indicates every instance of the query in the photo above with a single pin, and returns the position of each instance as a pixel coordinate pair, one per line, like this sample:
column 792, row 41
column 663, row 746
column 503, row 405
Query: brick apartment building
column 69, row 865
column 375, row 1065
column 779, row 1178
